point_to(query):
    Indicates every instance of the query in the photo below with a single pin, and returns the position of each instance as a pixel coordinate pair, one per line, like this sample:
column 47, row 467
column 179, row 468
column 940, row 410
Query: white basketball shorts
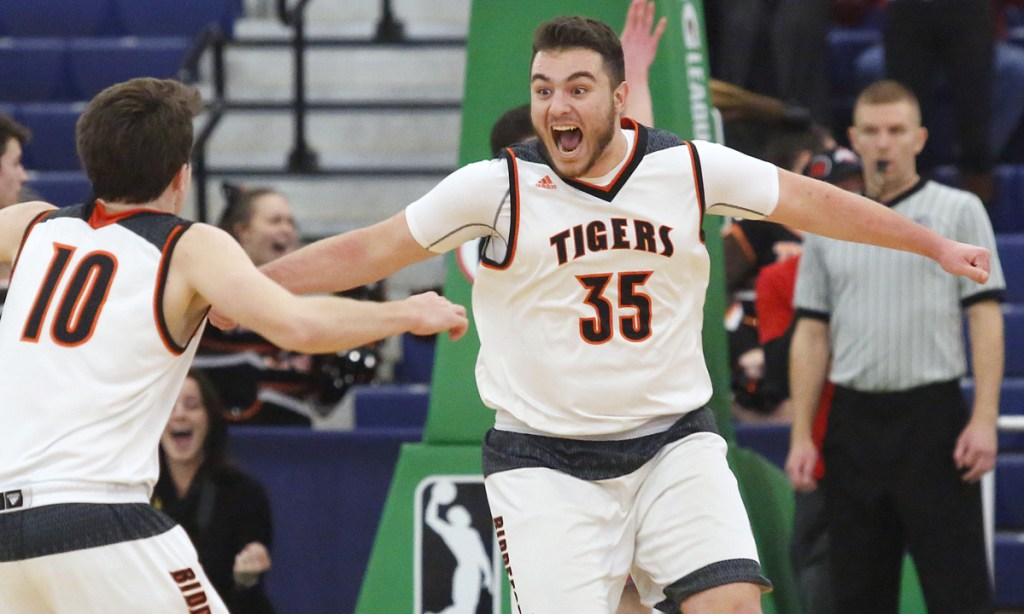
column 677, row 525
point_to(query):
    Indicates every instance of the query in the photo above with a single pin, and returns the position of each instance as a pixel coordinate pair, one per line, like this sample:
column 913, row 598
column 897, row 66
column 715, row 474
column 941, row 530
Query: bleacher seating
column 178, row 18
column 61, row 188
column 391, row 406
column 417, row 363
column 845, row 46
column 96, row 63
column 53, row 135
column 1011, row 255
column 58, row 18
column 33, row 69
column 1008, row 212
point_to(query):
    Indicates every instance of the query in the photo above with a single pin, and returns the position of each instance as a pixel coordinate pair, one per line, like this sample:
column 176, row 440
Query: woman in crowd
column 225, row 512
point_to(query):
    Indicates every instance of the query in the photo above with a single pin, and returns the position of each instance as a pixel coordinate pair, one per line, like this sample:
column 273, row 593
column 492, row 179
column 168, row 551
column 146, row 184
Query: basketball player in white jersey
column 604, row 460
column 106, row 305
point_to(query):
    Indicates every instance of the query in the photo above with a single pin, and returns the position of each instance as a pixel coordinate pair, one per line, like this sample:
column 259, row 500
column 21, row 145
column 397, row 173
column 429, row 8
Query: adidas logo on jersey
column 12, row 499
column 546, row 183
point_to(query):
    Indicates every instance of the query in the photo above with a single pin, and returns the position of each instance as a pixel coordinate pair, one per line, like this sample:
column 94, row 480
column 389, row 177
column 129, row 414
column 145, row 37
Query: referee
column 903, row 452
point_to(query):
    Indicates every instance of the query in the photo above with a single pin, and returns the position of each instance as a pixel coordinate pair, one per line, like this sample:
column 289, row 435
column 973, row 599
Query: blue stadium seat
column 61, row 188
column 98, row 63
column 417, row 364
column 1009, row 561
column 178, row 18
column 402, row 406
column 845, row 46
column 769, row 440
column 1010, row 491
column 58, row 18
column 1014, row 317
column 1008, row 212
column 53, row 135
column 1011, row 256
column 32, row 69
column 1011, row 403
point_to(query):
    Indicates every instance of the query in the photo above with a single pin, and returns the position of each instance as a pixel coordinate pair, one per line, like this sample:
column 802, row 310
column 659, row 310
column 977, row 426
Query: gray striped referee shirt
column 895, row 318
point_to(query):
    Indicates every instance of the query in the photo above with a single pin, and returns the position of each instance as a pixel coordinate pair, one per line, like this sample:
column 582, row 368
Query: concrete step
column 381, row 72
column 420, row 18
column 413, row 139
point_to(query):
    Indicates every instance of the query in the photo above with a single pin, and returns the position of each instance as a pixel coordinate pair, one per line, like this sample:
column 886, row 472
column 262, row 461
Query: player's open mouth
column 567, row 138
column 280, row 247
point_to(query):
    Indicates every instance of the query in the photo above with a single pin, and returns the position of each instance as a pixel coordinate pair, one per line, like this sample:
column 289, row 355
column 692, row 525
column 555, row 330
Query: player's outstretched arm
column 349, row 260
column 13, row 222
column 824, row 209
column 219, row 272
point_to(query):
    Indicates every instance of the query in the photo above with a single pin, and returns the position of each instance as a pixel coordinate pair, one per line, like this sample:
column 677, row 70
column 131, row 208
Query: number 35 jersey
column 88, row 370
column 590, row 310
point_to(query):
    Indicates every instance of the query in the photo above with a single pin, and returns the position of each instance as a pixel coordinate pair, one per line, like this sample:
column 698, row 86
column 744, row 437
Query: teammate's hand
column 975, row 451
column 968, row 260
column 434, row 314
column 252, row 561
column 639, row 42
column 221, row 321
column 800, row 463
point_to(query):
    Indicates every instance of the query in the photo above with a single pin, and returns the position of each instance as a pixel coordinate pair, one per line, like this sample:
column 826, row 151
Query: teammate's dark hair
column 135, row 136
column 238, row 208
column 785, row 144
column 514, row 126
column 586, row 33
column 10, row 129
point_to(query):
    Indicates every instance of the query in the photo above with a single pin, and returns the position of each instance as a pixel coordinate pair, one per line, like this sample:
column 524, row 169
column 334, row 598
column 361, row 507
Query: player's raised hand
column 967, row 260
column 437, row 314
column 639, row 41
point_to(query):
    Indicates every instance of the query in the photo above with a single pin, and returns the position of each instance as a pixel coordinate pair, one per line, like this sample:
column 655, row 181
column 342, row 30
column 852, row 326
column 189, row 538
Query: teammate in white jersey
column 604, row 460
column 103, row 315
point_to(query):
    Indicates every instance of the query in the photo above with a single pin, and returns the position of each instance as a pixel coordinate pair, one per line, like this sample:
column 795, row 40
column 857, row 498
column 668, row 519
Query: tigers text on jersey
column 590, row 323
column 88, row 371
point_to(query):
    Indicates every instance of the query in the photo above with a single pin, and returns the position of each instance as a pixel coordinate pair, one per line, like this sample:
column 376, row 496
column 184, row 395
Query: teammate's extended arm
column 808, row 364
column 639, row 46
column 824, row 209
column 349, row 260
column 976, row 447
column 13, row 222
column 223, row 275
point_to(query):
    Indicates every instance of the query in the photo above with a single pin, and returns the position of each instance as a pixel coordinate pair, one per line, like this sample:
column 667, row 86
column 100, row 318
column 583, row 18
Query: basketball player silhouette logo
column 458, row 568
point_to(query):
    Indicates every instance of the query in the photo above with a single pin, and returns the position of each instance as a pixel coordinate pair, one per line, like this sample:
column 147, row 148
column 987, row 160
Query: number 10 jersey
column 88, row 370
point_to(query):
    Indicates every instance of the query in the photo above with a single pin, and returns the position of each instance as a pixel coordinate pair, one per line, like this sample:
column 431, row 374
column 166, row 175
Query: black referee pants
column 891, row 487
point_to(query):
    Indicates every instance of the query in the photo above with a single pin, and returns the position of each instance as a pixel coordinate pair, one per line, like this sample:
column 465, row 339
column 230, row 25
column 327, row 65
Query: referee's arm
column 975, row 451
column 808, row 367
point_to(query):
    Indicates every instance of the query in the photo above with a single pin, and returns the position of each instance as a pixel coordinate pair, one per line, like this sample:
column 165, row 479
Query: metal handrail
column 302, row 157
column 211, row 38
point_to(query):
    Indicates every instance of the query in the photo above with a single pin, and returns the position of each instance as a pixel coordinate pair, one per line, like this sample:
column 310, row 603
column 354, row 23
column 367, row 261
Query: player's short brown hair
column 884, row 92
column 586, row 33
column 135, row 136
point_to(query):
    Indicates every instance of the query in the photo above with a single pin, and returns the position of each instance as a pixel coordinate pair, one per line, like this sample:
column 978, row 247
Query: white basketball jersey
column 88, row 370
column 592, row 324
